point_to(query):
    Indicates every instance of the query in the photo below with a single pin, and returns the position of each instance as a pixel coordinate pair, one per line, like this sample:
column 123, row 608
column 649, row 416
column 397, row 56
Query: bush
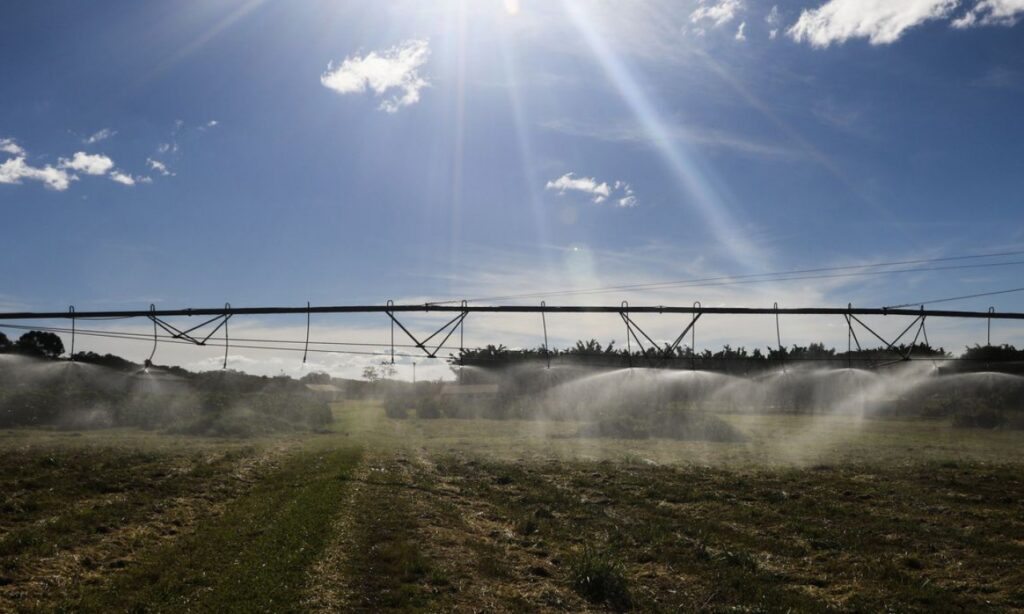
column 395, row 411
column 428, row 408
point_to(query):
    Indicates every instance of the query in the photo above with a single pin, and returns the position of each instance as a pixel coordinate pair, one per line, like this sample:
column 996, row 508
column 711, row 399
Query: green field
column 480, row 515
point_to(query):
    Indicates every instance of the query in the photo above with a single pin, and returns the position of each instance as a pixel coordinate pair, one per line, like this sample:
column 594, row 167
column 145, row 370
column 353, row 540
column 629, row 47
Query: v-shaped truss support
column 220, row 320
column 890, row 346
column 654, row 353
column 448, row 330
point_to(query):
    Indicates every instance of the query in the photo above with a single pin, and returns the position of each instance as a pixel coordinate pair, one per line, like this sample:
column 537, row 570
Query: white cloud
column 10, row 147
column 59, row 177
column 396, row 68
column 587, row 185
column 991, row 13
column 14, row 170
column 719, row 13
column 90, row 164
column 208, row 125
column 159, row 167
column 740, row 36
column 101, row 135
column 122, row 178
column 880, row 21
column 599, row 191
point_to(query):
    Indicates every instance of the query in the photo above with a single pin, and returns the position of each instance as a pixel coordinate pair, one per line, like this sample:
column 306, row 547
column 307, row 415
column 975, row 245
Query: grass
column 387, row 565
column 904, row 538
column 80, row 505
column 253, row 557
column 440, row 515
column 771, row 440
column 600, row 578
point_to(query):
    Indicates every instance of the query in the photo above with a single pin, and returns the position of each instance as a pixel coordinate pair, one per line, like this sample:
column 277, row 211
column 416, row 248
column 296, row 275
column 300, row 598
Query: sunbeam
column 686, row 170
column 525, row 147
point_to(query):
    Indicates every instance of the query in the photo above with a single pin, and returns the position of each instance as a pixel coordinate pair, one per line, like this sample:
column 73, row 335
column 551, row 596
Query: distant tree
column 387, row 370
column 316, row 378
column 105, row 360
column 371, row 374
column 38, row 343
column 5, row 343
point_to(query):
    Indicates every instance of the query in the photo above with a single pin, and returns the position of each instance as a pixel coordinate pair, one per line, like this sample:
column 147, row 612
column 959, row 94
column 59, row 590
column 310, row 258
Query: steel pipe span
column 546, row 309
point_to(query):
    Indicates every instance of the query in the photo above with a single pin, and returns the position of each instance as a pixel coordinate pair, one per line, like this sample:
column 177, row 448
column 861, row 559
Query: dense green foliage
column 740, row 360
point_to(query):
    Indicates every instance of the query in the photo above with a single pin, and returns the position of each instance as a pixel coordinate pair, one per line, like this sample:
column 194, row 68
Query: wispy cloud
column 1000, row 77
column 627, row 198
column 880, row 21
column 838, row 115
column 598, row 191
column 10, row 147
column 716, row 13
column 992, row 13
column 98, row 136
column 773, row 19
column 181, row 134
column 629, row 133
column 740, row 32
column 382, row 72
column 159, row 167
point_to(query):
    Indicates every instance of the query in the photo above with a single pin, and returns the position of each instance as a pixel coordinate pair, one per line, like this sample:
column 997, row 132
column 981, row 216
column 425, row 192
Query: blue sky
column 343, row 152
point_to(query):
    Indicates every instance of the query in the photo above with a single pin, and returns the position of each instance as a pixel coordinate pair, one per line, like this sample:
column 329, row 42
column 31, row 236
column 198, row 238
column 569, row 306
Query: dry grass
column 450, row 515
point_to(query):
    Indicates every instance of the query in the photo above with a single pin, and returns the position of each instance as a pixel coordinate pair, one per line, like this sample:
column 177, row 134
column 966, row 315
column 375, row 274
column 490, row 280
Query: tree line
column 740, row 360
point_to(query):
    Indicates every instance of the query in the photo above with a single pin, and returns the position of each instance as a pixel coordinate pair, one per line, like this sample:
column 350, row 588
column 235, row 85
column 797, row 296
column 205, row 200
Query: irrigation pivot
column 657, row 354
column 547, row 309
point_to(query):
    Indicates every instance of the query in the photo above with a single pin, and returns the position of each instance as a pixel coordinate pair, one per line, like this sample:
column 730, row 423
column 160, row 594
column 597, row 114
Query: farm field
column 480, row 515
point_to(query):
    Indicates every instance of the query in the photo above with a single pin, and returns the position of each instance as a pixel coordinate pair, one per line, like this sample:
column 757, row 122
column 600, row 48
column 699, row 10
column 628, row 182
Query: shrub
column 428, row 408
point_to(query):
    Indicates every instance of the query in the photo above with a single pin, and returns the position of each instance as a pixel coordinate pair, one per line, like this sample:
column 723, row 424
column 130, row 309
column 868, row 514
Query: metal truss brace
column 176, row 333
column 172, row 330
column 890, row 345
column 655, row 354
column 449, row 329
